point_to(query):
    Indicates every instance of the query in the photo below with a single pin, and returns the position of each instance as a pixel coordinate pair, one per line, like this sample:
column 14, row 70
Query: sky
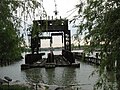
column 64, row 8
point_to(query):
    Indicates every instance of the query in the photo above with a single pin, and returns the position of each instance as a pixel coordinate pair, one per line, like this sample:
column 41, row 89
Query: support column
column 67, row 40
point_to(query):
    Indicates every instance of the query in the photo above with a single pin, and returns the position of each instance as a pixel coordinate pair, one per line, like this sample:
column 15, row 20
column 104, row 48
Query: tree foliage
column 13, row 13
column 101, row 20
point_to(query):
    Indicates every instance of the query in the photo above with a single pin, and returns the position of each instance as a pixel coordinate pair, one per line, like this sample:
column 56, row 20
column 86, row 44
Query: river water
column 61, row 76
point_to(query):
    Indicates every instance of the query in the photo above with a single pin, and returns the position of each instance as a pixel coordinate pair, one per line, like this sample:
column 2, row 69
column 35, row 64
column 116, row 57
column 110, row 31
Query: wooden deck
column 59, row 61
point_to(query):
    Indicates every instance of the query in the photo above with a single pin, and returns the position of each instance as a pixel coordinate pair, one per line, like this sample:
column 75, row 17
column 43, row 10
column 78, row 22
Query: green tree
column 100, row 19
column 77, row 37
column 13, row 13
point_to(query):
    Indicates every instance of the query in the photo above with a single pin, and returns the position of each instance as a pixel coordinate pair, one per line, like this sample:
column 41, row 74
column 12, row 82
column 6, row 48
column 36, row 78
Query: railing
column 89, row 59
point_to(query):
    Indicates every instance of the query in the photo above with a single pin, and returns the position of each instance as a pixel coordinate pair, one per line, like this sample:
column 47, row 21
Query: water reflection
column 68, row 76
column 63, row 76
column 50, row 76
column 32, row 75
column 57, row 76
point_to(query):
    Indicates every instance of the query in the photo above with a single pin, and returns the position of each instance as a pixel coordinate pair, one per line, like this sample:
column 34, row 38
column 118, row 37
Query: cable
column 71, row 13
column 71, row 10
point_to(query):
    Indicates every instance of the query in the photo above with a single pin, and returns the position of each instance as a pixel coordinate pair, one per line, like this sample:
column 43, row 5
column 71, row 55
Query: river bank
column 40, row 86
column 14, row 87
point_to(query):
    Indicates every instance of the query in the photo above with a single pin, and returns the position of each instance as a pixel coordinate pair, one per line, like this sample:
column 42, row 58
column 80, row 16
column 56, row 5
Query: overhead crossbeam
column 56, row 34
column 47, row 37
column 51, row 25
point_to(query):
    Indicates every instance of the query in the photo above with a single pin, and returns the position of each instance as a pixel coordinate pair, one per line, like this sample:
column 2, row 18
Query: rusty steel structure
column 56, row 27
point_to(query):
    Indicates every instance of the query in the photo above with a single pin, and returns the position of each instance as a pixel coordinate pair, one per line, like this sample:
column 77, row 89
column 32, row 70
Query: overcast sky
column 64, row 8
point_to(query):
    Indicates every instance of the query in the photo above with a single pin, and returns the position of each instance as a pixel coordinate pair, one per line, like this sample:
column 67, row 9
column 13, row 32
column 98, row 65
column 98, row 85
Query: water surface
column 61, row 76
